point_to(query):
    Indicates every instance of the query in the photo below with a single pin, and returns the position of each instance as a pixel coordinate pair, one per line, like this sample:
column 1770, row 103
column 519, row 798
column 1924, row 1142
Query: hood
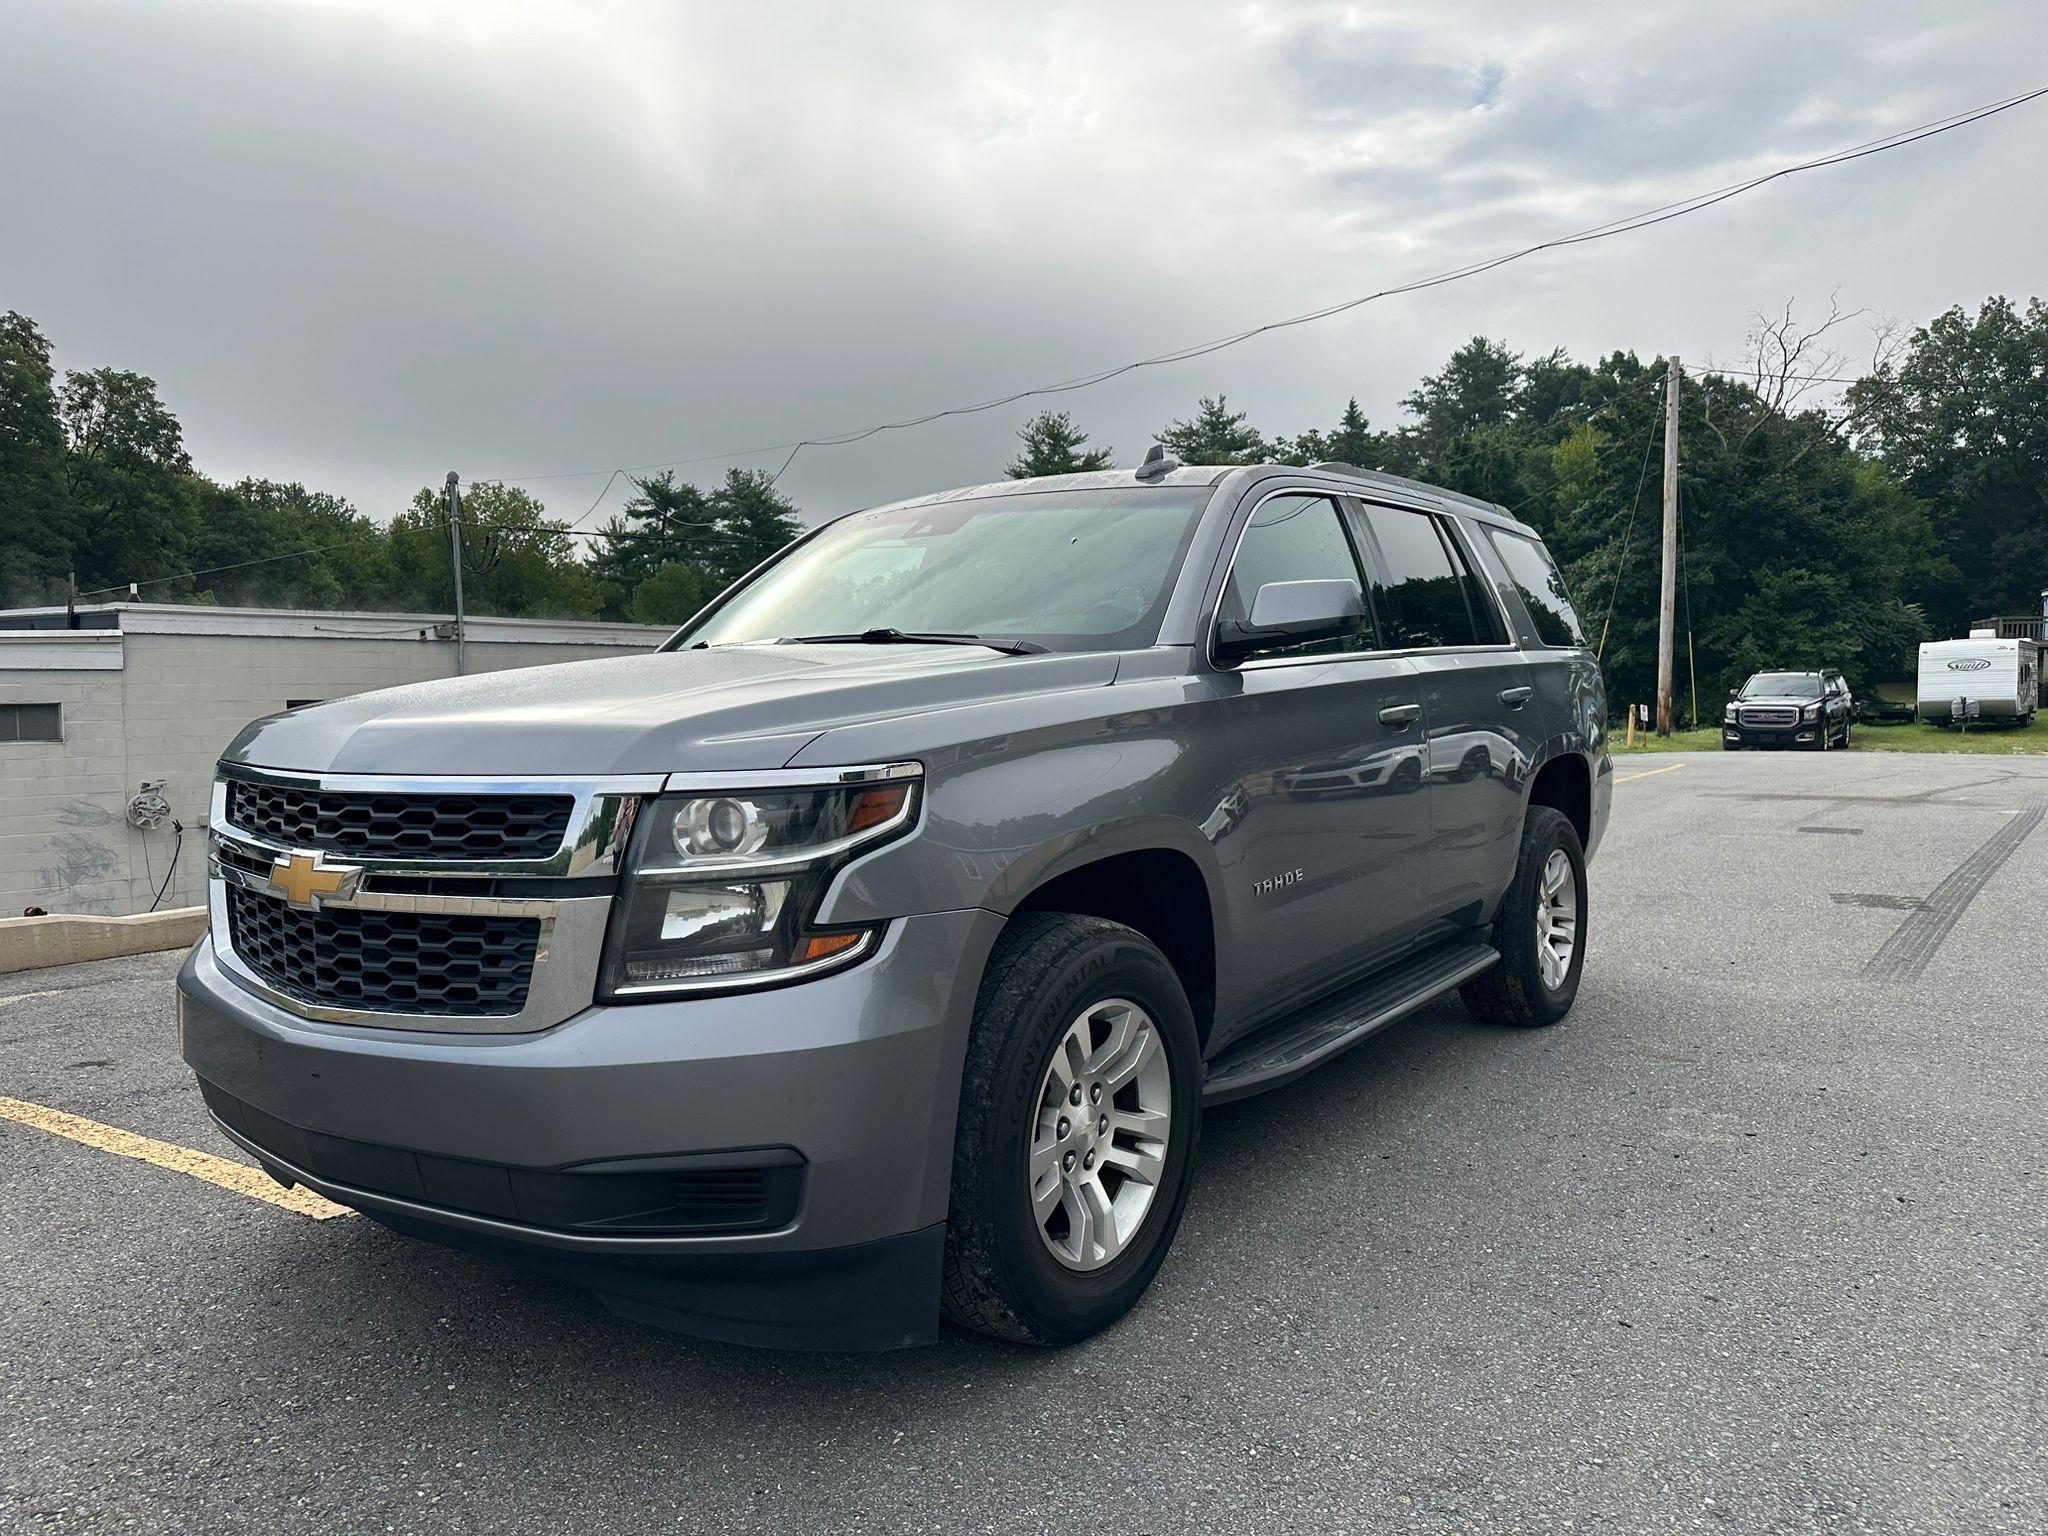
column 1777, row 700
column 737, row 707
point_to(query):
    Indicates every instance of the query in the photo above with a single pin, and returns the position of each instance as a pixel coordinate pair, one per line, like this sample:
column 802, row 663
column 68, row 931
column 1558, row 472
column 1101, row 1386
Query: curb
column 30, row 943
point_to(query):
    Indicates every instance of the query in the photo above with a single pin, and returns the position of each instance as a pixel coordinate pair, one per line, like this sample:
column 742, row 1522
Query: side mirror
column 1734, row 693
column 1293, row 613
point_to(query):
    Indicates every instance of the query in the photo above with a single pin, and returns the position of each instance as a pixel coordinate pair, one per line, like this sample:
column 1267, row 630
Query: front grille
column 367, row 824
column 387, row 962
column 1768, row 716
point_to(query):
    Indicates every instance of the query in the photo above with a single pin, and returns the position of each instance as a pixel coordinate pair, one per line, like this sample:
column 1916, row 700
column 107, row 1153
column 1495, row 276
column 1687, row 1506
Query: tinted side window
column 1423, row 595
column 1536, row 578
column 1294, row 538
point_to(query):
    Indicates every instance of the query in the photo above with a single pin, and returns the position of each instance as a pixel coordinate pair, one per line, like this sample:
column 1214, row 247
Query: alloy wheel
column 1098, row 1148
column 1557, row 919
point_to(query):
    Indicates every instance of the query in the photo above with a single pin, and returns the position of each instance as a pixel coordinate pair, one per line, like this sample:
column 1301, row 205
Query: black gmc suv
column 1789, row 709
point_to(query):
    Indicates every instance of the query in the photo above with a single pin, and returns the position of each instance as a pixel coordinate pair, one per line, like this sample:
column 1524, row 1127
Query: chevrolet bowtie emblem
column 304, row 878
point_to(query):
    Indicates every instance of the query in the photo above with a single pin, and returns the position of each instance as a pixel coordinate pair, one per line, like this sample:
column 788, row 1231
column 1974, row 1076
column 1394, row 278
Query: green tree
column 262, row 543
column 672, row 595
column 1553, row 389
column 127, row 478
column 1053, row 445
column 36, row 524
column 668, row 522
column 515, row 561
column 753, row 519
column 1476, row 388
column 1795, row 551
column 1216, row 435
column 1962, row 420
column 1352, row 441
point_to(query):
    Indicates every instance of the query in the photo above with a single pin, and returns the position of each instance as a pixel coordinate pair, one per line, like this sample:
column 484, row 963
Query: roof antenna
column 1158, row 462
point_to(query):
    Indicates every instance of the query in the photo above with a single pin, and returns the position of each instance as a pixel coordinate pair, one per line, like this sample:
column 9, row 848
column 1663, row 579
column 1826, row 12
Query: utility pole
column 1667, row 593
column 455, row 549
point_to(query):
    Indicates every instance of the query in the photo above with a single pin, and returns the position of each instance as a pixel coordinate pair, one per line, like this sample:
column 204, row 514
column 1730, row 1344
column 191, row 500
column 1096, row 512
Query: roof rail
column 1402, row 482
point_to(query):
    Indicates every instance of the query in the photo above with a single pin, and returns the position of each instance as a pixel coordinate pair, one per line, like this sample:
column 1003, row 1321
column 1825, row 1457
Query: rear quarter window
column 1536, row 577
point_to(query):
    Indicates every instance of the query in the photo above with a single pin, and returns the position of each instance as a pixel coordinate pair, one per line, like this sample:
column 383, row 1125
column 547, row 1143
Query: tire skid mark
column 1904, row 955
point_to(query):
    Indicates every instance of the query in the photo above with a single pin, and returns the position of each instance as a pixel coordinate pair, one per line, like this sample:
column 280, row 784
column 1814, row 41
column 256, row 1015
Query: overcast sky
column 361, row 242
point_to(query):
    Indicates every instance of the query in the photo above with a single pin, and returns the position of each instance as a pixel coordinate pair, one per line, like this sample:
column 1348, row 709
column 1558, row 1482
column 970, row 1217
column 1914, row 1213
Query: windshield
column 1782, row 685
column 1068, row 570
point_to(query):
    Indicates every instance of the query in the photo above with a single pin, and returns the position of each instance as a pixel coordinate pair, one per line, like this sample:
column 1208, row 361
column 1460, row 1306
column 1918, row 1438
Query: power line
column 720, row 535
column 214, row 570
column 1621, row 565
column 1742, row 375
column 1625, row 225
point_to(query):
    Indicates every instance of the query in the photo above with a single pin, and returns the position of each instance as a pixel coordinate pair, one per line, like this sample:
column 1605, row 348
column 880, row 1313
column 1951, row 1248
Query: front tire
column 1063, row 1209
column 1540, row 930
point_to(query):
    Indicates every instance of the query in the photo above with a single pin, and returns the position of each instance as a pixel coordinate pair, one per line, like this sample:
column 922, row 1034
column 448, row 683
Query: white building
column 148, row 693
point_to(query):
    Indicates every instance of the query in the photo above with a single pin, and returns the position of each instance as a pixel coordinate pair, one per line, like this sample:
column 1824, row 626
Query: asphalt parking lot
column 1754, row 1242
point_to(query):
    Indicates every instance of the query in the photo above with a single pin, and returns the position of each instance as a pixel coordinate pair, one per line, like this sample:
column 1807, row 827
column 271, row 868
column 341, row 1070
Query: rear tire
column 1517, row 991
column 1053, row 974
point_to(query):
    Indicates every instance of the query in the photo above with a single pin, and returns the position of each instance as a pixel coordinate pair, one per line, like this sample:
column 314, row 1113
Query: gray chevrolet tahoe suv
column 872, row 950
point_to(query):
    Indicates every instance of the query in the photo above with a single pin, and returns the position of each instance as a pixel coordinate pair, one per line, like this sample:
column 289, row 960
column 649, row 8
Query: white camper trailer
column 1982, row 677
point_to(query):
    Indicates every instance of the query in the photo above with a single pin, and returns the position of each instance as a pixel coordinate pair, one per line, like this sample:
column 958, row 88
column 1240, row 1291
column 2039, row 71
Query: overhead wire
column 1685, row 580
column 215, row 570
column 1628, row 535
column 1627, row 224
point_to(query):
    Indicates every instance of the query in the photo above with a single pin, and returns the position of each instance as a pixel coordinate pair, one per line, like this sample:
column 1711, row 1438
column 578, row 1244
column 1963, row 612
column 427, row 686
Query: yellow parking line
column 1648, row 773
column 239, row 1177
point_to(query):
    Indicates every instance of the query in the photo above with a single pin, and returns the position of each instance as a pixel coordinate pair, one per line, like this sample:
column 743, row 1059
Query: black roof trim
column 1403, row 483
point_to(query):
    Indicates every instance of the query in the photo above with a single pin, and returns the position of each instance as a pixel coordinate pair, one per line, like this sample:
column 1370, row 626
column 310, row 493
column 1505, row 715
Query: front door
column 1323, row 847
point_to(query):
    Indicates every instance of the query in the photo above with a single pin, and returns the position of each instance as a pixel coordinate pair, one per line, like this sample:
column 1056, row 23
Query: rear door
column 1323, row 855
column 1483, row 728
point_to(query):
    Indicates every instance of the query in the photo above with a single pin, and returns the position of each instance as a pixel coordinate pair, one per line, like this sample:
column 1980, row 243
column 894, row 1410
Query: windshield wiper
column 903, row 637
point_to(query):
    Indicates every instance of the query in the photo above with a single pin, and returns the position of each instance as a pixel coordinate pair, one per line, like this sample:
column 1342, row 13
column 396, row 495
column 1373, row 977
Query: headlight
column 721, row 889
column 1728, row 714
column 1809, row 711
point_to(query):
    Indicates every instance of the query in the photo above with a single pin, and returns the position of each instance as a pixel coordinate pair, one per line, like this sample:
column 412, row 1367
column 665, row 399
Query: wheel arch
column 1165, row 892
column 1565, row 784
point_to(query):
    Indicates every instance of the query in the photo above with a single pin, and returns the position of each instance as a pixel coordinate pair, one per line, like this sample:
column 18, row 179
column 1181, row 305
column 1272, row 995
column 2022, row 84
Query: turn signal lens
column 876, row 806
column 818, row 947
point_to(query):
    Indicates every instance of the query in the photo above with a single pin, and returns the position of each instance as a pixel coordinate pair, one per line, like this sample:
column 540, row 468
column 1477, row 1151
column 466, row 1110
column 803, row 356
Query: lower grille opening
column 389, row 962
column 736, row 1196
column 744, row 1191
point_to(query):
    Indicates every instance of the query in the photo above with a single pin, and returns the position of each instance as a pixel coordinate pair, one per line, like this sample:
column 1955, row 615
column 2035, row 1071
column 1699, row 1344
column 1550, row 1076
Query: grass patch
column 1992, row 740
column 1705, row 739
column 1986, row 740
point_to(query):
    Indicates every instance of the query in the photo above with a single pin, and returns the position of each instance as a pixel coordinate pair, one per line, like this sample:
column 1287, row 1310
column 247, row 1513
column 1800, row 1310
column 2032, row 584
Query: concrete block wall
column 176, row 700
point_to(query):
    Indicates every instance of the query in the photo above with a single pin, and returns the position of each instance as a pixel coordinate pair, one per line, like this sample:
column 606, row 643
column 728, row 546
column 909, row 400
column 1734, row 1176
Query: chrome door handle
column 1400, row 714
column 1515, row 698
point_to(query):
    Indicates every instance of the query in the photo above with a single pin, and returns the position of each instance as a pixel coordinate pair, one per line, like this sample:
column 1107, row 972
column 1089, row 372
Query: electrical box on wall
column 147, row 807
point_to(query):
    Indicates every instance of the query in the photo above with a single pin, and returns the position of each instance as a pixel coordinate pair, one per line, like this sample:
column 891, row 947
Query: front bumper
column 471, row 1139
column 1758, row 736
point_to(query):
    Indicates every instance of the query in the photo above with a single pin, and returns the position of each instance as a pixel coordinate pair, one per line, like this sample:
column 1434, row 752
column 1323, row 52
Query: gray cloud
column 360, row 243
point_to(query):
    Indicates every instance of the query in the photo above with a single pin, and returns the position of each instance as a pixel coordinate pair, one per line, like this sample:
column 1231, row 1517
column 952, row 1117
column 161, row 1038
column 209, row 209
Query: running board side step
column 1283, row 1051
